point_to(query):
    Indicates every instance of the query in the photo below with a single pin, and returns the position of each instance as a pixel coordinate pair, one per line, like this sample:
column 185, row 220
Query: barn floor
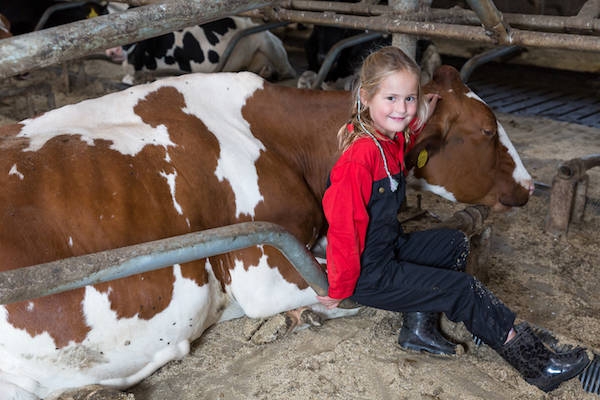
column 550, row 282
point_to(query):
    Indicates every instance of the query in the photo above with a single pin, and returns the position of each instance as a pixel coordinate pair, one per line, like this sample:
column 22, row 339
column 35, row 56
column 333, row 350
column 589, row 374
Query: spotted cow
column 185, row 154
column 200, row 49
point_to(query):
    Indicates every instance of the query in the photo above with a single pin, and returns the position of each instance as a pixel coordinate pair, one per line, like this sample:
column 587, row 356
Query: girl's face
column 394, row 104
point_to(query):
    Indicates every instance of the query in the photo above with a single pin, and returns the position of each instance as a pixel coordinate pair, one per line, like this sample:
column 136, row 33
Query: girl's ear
column 363, row 97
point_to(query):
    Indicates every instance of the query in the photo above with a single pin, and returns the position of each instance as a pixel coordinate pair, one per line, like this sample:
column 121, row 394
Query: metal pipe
column 242, row 34
column 436, row 30
column 576, row 168
column 492, row 20
column 583, row 24
column 334, row 52
column 26, row 52
column 71, row 273
column 52, row 9
column 406, row 43
column 485, row 57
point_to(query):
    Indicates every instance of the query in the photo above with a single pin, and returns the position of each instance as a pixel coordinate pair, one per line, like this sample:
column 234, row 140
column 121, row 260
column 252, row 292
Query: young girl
column 371, row 260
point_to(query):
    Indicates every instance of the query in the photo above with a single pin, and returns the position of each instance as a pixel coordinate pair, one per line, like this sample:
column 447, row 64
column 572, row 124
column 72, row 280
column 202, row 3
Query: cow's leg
column 92, row 392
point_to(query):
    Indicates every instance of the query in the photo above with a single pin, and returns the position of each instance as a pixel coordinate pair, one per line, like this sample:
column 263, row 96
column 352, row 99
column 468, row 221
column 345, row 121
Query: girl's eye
column 411, row 98
column 391, row 98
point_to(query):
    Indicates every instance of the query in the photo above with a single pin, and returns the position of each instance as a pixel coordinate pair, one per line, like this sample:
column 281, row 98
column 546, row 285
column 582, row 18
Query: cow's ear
column 422, row 152
column 446, row 76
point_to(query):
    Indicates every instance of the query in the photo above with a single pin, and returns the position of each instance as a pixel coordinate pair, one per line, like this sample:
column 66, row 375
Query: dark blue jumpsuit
column 421, row 271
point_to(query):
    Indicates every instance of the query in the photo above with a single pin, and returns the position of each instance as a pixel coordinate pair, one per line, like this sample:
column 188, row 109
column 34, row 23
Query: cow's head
column 469, row 157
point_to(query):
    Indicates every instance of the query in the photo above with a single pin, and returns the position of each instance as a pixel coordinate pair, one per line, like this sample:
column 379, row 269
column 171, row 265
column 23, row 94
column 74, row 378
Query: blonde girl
column 373, row 262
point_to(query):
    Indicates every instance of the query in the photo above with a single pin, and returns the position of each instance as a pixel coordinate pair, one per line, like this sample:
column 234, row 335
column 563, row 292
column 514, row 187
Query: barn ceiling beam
column 393, row 24
column 585, row 22
column 39, row 49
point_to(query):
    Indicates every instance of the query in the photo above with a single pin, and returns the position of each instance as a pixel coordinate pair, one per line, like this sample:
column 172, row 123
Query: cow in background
column 185, row 154
column 200, row 48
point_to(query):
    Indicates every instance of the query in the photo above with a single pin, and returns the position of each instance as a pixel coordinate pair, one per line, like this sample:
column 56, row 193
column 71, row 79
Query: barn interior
column 542, row 259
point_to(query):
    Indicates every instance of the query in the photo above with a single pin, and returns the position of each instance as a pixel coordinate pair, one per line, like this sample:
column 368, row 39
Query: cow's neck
column 301, row 126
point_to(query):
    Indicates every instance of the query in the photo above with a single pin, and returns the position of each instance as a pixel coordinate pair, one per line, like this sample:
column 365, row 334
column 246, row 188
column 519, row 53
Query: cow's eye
column 488, row 132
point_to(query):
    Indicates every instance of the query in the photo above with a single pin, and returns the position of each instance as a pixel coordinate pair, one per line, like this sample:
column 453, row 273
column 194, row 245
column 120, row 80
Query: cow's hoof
column 93, row 392
column 311, row 318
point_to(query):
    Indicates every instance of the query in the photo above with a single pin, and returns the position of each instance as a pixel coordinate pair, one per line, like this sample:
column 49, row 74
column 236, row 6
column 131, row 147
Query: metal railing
column 75, row 272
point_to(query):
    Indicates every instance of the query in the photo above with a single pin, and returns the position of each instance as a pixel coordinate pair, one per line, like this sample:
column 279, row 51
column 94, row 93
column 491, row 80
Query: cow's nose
column 531, row 186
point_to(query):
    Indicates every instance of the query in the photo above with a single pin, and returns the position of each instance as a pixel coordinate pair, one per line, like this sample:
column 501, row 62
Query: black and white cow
column 200, row 48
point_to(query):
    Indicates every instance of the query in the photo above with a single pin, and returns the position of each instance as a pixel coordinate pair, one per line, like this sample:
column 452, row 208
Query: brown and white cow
column 179, row 155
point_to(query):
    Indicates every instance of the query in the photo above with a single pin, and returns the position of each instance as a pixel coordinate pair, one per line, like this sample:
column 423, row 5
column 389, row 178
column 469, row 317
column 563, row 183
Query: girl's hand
column 431, row 99
column 329, row 302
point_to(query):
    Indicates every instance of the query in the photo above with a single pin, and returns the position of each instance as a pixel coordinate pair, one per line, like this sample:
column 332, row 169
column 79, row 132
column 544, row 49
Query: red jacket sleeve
column 345, row 206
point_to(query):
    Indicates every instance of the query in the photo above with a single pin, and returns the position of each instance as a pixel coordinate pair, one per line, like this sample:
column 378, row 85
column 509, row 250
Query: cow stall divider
column 75, row 272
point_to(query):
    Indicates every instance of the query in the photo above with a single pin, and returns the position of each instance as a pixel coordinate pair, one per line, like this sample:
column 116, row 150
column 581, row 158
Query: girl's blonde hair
column 375, row 68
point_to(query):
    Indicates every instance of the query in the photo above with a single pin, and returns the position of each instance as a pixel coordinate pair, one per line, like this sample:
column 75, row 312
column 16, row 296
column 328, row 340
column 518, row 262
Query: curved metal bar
column 485, row 57
column 334, row 52
column 52, row 9
column 75, row 272
column 492, row 20
column 242, row 34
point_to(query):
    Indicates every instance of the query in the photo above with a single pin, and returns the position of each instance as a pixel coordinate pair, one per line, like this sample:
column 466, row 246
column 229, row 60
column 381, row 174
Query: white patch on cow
column 70, row 241
column 261, row 278
column 14, row 171
column 171, row 182
column 472, row 95
column 110, row 117
column 30, row 306
column 167, row 157
column 520, row 174
column 117, row 352
column 450, row 90
column 227, row 93
column 187, row 221
column 439, row 190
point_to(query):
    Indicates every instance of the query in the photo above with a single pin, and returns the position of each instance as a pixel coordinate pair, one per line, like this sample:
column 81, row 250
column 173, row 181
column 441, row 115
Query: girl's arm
column 344, row 205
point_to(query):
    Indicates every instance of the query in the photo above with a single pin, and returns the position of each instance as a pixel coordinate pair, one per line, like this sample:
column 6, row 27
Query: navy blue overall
column 424, row 271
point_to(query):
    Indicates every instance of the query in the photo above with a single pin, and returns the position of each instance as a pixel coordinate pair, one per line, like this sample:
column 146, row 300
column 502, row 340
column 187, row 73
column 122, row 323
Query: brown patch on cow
column 4, row 27
column 52, row 315
column 289, row 273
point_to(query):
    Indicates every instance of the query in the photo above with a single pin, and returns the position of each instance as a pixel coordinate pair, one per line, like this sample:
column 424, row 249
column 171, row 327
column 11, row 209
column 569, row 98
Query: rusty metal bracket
column 569, row 194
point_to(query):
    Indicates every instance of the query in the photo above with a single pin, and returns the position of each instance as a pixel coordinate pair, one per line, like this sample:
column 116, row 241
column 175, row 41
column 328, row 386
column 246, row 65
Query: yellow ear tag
column 422, row 159
column 92, row 14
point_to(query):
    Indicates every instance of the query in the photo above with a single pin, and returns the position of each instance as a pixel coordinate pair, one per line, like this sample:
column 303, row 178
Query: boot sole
column 425, row 349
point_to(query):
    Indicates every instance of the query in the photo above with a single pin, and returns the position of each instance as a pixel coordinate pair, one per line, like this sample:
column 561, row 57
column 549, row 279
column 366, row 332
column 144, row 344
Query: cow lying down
column 185, row 154
column 200, row 48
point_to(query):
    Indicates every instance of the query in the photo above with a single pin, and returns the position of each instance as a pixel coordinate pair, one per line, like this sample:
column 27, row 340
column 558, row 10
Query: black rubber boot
column 420, row 331
column 539, row 365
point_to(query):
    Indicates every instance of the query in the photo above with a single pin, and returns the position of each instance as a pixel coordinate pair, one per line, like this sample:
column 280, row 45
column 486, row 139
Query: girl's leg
column 408, row 287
